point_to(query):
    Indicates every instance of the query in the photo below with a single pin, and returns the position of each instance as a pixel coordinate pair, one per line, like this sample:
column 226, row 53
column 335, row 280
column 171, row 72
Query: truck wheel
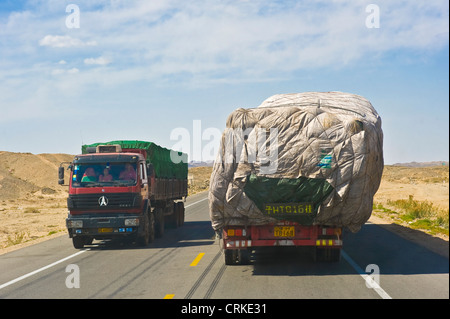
column 335, row 255
column 159, row 226
column 151, row 227
column 243, row 257
column 148, row 233
column 230, row 256
column 237, row 256
column 173, row 219
column 177, row 222
column 180, row 213
column 328, row 254
column 78, row 242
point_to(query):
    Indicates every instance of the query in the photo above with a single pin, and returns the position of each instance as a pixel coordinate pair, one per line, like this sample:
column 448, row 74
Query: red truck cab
column 112, row 195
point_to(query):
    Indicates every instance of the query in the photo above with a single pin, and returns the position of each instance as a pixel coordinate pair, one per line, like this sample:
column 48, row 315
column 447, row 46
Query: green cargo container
column 159, row 156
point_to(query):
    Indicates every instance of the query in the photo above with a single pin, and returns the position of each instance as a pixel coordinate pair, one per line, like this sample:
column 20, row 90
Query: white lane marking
column 41, row 269
column 64, row 259
column 201, row 200
column 369, row 280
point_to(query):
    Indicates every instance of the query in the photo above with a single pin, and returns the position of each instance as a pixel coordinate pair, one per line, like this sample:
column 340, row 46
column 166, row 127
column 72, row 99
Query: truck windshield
column 107, row 174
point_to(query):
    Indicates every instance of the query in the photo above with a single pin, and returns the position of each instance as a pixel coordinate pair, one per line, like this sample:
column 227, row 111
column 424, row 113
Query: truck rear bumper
column 104, row 226
column 288, row 234
column 247, row 243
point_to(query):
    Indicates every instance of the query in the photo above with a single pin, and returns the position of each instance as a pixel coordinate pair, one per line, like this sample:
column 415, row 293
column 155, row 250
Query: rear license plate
column 284, row 231
column 105, row 230
column 288, row 209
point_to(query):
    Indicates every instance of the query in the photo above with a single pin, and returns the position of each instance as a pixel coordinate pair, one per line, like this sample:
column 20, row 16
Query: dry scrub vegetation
column 416, row 197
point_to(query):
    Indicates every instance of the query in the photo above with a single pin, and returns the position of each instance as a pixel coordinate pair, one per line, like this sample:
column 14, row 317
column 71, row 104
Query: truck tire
column 243, row 257
column 180, row 214
column 230, row 256
column 159, row 224
column 78, row 242
column 328, row 254
column 151, row 228
column 177, row 218
column 148, row 233
column 172, row 219
column 237, row 256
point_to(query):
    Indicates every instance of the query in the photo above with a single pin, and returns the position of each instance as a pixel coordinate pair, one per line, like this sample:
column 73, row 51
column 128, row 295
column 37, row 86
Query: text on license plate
column 105, row 230
column 284, row 231
column 288, row 209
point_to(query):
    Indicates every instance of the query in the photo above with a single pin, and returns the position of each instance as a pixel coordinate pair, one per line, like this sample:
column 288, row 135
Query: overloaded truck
column 127, row 190
column 296, row 171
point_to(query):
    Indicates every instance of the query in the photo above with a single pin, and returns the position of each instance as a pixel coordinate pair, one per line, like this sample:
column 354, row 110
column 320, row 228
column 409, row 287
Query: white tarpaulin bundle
column 320, row 148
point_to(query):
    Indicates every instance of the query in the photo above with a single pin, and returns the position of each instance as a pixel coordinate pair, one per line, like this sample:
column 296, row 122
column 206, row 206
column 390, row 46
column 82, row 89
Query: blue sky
column 142, row 69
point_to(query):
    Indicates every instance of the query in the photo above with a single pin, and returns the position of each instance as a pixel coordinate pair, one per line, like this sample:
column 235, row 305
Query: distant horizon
column 210, row 162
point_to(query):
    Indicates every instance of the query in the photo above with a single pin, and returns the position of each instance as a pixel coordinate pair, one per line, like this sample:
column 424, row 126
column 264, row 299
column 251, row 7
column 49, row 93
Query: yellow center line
column 197, row 259
column 170, row 296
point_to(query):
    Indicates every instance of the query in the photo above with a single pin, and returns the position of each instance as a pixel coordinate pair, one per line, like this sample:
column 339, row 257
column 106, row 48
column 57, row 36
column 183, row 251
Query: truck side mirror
column 149, row 170
column 61, row 175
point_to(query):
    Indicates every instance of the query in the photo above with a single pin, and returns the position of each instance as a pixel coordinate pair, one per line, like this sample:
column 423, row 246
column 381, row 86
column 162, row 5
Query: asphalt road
column 187, row 264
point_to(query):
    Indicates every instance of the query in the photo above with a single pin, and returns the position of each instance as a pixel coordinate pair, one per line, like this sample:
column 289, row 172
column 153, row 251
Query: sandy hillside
column 33, row 205
column 25, row 175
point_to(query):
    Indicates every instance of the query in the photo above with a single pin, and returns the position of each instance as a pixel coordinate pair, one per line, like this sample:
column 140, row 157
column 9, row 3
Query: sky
column 171, row 71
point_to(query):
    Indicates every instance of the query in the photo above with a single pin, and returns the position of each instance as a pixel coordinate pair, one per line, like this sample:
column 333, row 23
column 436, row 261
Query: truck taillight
column 331, row 231
column 238, row 232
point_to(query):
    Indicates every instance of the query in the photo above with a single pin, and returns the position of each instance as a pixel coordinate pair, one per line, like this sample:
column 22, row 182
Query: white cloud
column 97, row 61
column 58, row 71
column 64, row 71
column 64, row 41
column 231, row 40
column 260, row 39
column 73, row 71
column 213, row 41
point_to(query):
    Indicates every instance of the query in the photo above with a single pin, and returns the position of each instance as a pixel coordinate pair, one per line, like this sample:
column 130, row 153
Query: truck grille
column 104, row 201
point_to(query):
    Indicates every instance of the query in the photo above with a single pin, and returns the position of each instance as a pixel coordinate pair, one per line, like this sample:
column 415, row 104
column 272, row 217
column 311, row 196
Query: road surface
column 187, row 264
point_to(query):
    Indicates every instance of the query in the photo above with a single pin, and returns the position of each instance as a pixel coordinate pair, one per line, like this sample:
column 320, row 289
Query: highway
column 187, row 264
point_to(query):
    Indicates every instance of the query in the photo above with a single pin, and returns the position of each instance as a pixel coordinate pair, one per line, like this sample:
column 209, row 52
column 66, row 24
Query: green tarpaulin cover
column 262, row 190
column 159, row 156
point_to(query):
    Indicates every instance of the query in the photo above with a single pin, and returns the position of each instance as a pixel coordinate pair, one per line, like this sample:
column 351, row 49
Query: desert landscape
column 416, row 197
column 33, row 205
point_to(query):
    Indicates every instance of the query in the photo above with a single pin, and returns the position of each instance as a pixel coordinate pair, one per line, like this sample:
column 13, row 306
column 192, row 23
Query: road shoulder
column 438, row 245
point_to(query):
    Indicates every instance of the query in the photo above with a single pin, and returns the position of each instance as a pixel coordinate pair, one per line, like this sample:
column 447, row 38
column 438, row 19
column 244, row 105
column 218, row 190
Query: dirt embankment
column 32, row 204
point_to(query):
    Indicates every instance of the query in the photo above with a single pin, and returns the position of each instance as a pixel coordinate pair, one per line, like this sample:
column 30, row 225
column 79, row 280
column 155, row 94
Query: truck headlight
column 74, row 224
column 132, row 222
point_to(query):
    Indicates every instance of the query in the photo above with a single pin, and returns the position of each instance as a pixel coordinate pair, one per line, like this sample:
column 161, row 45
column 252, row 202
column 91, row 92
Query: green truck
column 124, row 189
